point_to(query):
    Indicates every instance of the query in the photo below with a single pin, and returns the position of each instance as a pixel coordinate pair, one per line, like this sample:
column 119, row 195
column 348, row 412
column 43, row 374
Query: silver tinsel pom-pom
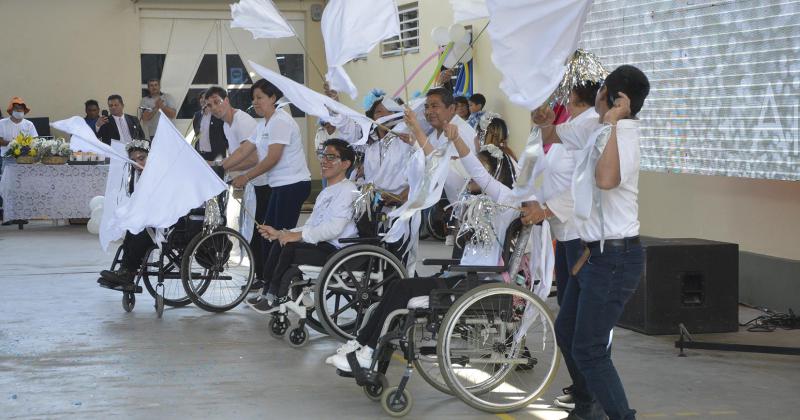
column 479, row 213
column 582, row 67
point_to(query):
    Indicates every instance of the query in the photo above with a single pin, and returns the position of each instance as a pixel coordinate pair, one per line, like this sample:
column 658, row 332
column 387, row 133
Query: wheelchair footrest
column 345, row 374
column 121, row 288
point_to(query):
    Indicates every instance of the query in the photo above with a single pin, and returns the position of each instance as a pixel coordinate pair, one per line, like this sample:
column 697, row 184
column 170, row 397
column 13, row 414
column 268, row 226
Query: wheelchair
column 491, row 344
column 200, row 261
column 336, row 298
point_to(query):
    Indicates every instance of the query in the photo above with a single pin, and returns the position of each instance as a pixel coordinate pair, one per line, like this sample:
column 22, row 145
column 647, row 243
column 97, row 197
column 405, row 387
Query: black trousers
column 283, row 261
column 134, row 247
column 256, row 242
column 396, row 296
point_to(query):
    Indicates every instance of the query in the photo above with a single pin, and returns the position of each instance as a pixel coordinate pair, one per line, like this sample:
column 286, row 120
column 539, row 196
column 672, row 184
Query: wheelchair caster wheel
column 374, row 392
column 396, row 404
column 298, row 337
column 159, row 305
column 128, row 301
column 278, row 326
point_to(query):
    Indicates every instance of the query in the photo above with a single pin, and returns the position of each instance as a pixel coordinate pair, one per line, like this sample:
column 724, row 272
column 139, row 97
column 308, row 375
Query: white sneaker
column 345, row 348
column 449, row 240
column 363, row 355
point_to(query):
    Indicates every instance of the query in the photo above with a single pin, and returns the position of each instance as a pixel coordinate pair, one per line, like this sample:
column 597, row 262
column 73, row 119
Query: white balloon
column 456, row 33
column 440, row 35
column 95, row 201
column 93, row 226
column 97, row 214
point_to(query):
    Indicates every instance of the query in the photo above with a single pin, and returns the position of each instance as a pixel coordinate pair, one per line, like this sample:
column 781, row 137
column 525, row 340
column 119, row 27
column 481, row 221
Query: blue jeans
column 283, row 211
column 567, row 255
column 589, row 310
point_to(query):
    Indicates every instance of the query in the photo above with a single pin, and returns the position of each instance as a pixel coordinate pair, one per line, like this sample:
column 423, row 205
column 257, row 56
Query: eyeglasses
column 330, row 157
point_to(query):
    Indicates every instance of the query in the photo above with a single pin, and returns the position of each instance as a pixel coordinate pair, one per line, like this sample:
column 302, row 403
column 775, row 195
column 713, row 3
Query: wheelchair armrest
column 478, row 268
column 375, row 240
column 442, row 262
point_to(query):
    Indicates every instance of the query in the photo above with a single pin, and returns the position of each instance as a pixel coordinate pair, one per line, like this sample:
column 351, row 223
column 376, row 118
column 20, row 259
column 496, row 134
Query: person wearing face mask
column 16, row 123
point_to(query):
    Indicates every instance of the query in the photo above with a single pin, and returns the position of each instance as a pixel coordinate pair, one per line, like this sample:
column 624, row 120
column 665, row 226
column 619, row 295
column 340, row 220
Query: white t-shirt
column 458, row 177
column 151, row 126
column 576, row 131
column 556, row 189
column 243, row 128
column 332, row 217
column 291, row 168
column 386, row 164
column 620, row 205
column 9, row 131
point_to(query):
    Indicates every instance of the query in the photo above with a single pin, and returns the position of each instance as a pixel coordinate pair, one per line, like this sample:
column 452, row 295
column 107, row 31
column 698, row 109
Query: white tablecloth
column 50, row 191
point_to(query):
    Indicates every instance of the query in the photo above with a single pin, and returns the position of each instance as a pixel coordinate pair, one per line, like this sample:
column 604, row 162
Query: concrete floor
column 68, row 350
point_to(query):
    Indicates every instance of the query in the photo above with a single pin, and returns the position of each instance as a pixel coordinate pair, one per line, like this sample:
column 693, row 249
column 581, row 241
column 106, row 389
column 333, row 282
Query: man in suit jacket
column 211, row 141
column 118, row 125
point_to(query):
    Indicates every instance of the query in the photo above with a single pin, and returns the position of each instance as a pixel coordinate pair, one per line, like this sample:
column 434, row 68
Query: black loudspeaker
column 694, row 282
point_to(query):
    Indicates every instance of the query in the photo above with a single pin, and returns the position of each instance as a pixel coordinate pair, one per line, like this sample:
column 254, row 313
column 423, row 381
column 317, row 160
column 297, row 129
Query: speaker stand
column 687, row 342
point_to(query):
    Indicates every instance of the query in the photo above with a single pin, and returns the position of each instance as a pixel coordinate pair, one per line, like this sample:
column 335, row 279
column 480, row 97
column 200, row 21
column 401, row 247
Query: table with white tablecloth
column 50, row 191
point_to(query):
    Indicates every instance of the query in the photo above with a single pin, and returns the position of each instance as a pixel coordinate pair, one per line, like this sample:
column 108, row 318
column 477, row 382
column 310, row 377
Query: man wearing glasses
column 314, row 242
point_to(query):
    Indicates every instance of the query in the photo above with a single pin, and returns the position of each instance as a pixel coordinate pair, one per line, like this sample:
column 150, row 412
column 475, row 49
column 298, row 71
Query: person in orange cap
column 16, row 123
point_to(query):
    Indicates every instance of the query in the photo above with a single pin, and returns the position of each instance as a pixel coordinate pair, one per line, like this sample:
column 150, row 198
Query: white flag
column 261, row 18
column 175, row 180
column 312, row 102
column 547, row 32
column 115, row 197
column 84, row 139
column 468, row 10
column 352, row 28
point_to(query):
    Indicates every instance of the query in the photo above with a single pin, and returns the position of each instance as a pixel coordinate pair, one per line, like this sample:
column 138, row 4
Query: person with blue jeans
column 612, row 264
column 282, row 157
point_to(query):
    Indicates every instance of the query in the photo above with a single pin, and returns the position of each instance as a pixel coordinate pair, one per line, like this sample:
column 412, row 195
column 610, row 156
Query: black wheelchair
column 334, row 299
column 491, row 344
column 200, row 261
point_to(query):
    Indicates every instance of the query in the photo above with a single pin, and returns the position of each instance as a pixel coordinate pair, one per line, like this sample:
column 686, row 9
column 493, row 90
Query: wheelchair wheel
column 128, row 301
column 396, row 404
column 497, row 348
column 216, row 269
column 436, row 222
column 427, row 362
column 352, row 280
column 167, row 266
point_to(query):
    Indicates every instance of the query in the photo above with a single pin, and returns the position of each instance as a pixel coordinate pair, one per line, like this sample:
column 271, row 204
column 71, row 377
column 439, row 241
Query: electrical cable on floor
column 772, row 321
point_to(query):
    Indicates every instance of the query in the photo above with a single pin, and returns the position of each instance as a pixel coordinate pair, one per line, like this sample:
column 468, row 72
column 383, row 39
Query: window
column 291, row 66
column 409, row 33
column 152, row 68
column 234, row 77
column 207, row 71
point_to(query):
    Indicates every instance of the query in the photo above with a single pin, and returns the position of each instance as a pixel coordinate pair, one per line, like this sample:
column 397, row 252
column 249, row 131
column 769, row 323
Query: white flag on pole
column 175, row 180
column 547, row 31
column 261, row 18
column 312, row 102
column 352, row 28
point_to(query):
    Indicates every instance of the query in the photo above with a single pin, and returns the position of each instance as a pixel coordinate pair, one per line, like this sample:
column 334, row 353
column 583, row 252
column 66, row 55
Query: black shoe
column 266, row 307
column 119, row 277
column 257, row 284
column 587, row 411
column 255, row 299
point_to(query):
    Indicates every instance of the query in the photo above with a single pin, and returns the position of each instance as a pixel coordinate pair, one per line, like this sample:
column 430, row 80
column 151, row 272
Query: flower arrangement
column 52, row 147
column 22, row 146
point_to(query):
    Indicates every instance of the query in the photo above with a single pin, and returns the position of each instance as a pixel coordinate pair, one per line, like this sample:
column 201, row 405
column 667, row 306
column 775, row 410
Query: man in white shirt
column 16, row 123
column 318, row 239
column 240, row 128
column 608, row 223
column 154, row 101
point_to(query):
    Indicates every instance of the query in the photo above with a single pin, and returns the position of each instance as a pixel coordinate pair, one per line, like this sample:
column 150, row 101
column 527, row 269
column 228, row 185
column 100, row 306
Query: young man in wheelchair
column 312, row 243
column 135, row 246
column 399, row 293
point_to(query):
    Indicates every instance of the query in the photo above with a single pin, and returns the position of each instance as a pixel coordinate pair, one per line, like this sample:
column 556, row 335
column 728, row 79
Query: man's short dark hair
column 586, row 92
column 153, row 79
column 343, row 148
column 90, row 102
column 461, row 100
column 267, row 88
column 445, row 95
column 478, row 99
column 216, row 90
column 632, row 82
column 116, row 97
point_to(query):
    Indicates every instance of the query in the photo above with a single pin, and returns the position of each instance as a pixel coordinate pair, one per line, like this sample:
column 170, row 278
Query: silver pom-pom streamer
column 366, row 199
column 582, row 67
column 479, row 214
column 213, row 215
